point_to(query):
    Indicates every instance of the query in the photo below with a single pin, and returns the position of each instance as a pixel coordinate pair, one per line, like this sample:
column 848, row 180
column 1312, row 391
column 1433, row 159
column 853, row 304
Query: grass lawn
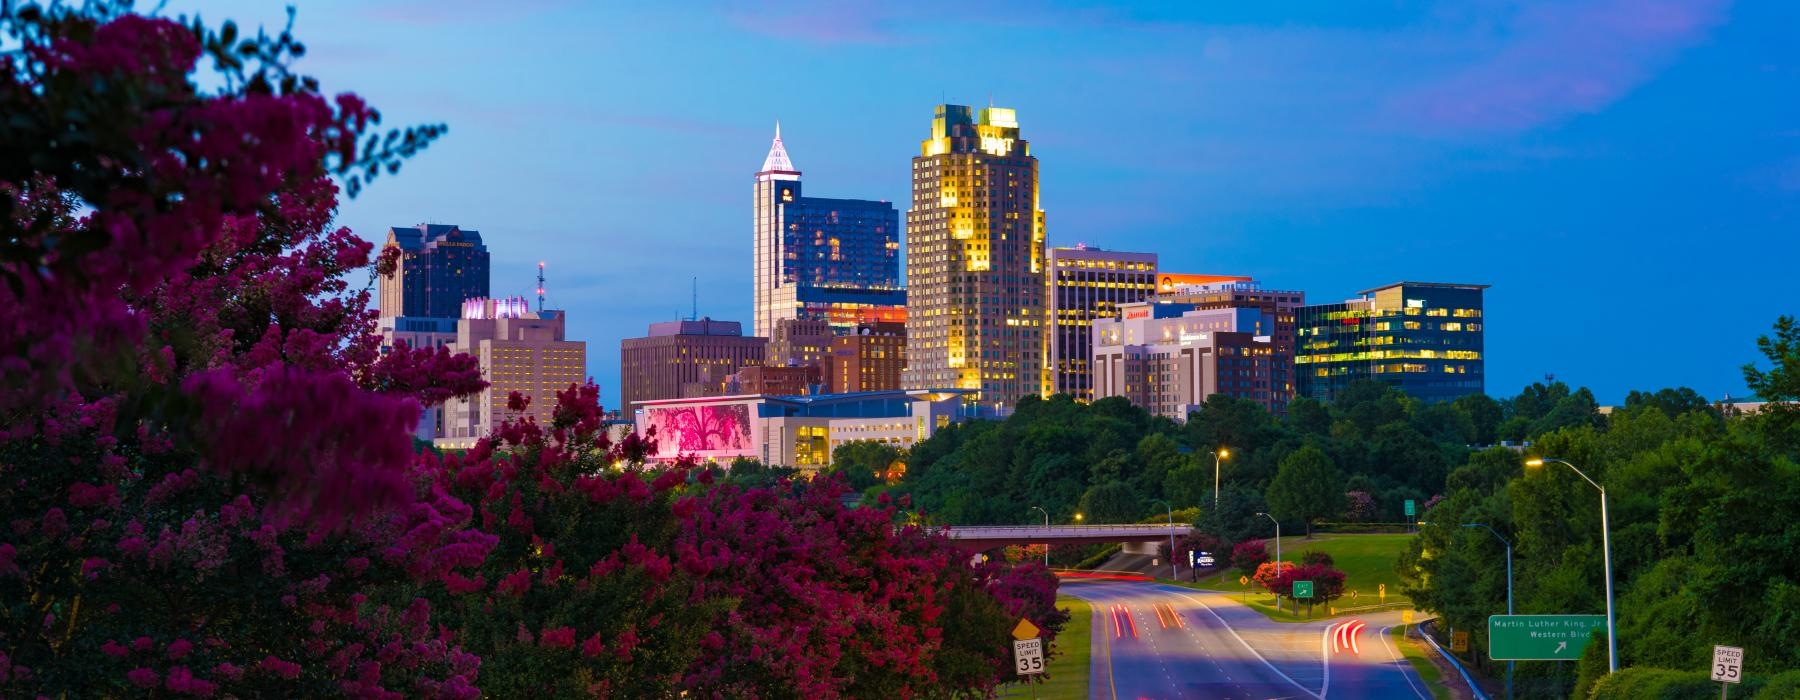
column 1415, row 655
column 1366, row 560
column 1069, row 667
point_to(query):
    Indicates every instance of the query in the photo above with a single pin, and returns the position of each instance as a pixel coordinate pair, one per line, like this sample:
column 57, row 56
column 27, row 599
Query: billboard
column 707, row 430
column 1169, row 281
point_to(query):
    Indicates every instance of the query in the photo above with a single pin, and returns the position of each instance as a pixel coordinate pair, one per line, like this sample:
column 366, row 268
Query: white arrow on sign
column 1561, row 646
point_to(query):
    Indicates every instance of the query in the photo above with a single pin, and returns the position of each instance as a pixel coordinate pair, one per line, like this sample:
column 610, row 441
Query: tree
column 1779, row 386
column 1111, row 502
column 1307, row 487
column 864, row 463
column 1327, row 583
column 1248, row 555
column 1359, row 507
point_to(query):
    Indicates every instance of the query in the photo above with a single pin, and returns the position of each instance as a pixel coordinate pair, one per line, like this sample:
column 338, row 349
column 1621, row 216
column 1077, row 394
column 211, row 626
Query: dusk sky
column 1625, row 173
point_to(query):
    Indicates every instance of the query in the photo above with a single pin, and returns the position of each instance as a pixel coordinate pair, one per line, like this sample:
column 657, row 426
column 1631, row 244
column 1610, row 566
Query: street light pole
column 1509, row 596
column 1174, row 575
column 1278, row 555
column 1612, row 632
column 1218, row 455
column 1046, row 534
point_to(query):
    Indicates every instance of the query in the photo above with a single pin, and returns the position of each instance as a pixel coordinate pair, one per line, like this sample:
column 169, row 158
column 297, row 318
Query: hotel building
column 1423, row 337
column 1088, row 284
column 1278, row 311
column 836, row 260
column 975, row 259
column 870, row 358
column 518, row 350
column 1168, row 358
column 680, row 359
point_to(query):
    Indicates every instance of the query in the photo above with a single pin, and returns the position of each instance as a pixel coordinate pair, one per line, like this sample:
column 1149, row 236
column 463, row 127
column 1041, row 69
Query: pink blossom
column 143, row 677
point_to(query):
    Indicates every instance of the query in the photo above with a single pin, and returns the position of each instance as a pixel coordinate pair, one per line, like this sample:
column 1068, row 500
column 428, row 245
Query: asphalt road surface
column 1156, row 641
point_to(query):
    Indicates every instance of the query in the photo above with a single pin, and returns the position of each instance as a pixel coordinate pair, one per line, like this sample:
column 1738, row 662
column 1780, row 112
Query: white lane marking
column 1253, row 651
column 1400, row 661
column 1325, row 662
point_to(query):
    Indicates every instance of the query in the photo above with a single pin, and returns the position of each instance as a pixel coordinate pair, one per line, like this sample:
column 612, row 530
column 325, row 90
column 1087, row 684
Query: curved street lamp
column 1219, row 455
column 1174, row 575
column 1612, row 636
column 1509, row 595
column 1046, row 534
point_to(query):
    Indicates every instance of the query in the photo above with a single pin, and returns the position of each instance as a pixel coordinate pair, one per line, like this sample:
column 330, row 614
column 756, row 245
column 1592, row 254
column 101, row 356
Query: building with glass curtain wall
column 1424, row 338
column 1088, row 284
column 440, row 266
column 975, row 259
column 836, row 260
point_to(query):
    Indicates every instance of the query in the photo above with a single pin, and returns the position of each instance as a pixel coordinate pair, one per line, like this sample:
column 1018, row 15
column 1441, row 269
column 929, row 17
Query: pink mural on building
column 706, row 431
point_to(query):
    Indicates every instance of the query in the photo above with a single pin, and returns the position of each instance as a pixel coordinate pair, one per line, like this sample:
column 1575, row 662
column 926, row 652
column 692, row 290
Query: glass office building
column 1424, row 338
column 1086, row 285
column 440, row 266
column 836, row 260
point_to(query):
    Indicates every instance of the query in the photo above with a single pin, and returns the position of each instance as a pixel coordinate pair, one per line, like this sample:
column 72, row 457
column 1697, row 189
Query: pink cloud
column 1560, row 60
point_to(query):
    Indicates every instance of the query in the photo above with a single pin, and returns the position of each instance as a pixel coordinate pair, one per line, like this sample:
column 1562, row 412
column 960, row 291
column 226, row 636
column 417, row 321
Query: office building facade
column 1169, row 358
column 439, row 266
column 1088, row 284
column 519, row 350
column 1425, row 338
column 975, row 263
column 870, row 358
column 681, row 359
column 836, row 260
column 1278, row 320
column 799, row 342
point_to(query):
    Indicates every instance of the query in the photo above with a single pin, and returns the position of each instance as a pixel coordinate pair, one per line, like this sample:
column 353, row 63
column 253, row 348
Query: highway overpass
column 977, row 538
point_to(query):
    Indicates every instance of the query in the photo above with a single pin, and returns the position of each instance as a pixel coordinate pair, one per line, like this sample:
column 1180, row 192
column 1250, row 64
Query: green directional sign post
column 1411, row 510
column 1541, row 637
column 1303, row 589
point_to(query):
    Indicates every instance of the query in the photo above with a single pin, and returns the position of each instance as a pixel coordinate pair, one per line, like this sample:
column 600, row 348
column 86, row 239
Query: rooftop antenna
column 540, row 287
column 696, row 315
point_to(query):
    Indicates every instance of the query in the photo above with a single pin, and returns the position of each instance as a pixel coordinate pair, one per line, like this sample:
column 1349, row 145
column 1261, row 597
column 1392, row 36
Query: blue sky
column 1625, row 173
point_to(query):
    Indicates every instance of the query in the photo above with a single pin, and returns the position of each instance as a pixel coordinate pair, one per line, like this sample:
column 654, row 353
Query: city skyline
column 1237, row 148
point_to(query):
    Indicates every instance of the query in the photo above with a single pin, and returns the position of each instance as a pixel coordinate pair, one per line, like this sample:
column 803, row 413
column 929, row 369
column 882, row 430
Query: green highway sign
column 1411, row 510
column 1541, row 637
column 1303, row 589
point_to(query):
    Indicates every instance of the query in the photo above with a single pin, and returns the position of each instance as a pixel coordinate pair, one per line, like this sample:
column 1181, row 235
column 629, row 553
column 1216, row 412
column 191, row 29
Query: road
column 1157, row 641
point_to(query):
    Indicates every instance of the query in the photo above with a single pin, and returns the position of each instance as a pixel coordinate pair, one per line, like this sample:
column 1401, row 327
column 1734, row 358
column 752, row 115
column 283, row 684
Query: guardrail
column 1062, row 528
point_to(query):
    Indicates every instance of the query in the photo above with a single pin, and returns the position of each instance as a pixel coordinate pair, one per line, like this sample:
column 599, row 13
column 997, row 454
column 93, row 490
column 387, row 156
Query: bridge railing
column 1072, row 530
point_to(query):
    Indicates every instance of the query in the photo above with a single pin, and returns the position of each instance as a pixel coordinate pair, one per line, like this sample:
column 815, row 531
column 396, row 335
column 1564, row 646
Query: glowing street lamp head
column 1534, row 462
column 1077, row 517
column 1224, row 453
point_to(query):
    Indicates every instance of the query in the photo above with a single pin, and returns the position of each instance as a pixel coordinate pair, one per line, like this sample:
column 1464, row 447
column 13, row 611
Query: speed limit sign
column 1028, row 655
column 1728, row 664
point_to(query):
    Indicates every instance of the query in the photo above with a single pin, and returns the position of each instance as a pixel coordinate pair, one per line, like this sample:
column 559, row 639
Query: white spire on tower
column 777, row 163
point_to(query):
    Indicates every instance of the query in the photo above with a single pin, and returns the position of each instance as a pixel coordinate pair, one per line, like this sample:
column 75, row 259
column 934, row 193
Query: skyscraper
column 1087, row 284
column 440, row 266
column 869, row 359
column 828, row 259
column 1423, row 337
column 975, row 259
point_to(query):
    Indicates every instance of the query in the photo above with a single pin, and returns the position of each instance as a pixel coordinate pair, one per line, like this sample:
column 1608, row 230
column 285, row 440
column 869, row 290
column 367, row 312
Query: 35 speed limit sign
column 1728, row 664
column 1028, row 655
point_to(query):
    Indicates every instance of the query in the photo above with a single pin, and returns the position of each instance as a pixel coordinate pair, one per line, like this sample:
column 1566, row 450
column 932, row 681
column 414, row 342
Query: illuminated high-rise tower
column 975, row 259
column 834, row 260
